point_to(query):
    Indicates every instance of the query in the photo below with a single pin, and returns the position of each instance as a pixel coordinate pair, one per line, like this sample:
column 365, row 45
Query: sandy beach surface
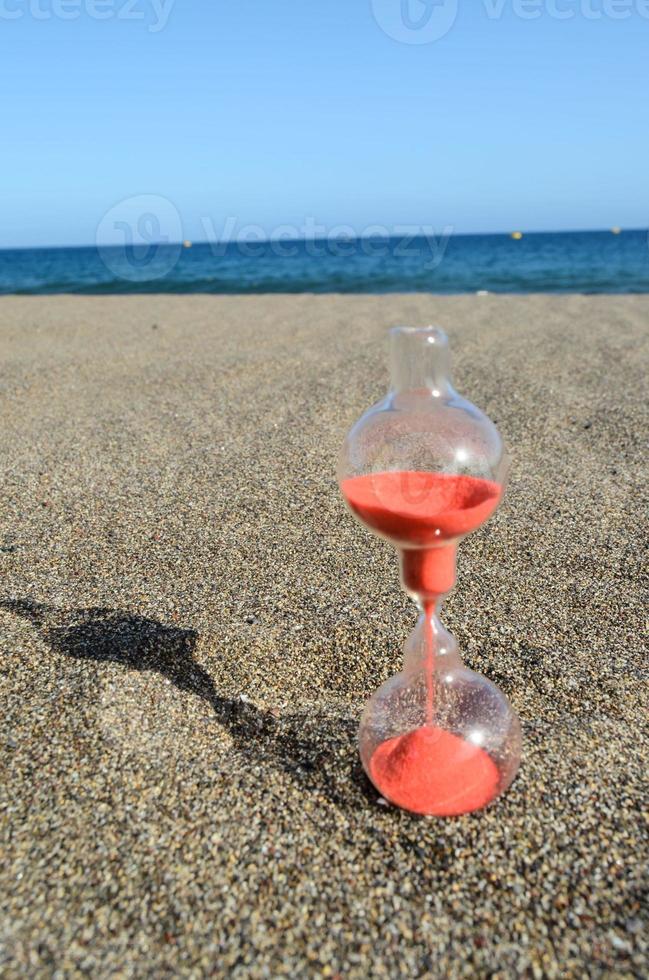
column 191, row 622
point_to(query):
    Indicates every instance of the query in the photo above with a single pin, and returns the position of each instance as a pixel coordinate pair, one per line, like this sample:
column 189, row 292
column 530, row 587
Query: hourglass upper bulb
column 423, row 467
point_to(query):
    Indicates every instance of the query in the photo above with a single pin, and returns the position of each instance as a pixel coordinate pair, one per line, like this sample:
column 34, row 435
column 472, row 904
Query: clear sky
column 531, row 114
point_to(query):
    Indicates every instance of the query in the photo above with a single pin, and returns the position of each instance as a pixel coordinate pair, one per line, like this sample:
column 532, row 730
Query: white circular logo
column 140, row 238
column 415, row 21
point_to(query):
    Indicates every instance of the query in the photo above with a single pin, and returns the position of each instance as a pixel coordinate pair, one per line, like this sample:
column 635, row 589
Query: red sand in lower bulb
column 434, row 772
column 428, row 770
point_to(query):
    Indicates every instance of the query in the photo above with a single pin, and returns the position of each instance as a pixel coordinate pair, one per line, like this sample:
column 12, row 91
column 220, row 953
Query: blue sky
column 289, row 111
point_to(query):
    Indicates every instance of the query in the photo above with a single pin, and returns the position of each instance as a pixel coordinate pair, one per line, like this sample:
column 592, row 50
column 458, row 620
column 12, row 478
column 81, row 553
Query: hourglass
column 422, row 469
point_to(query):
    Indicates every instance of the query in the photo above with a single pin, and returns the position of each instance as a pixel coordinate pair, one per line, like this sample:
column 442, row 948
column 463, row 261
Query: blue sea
column 585, row 262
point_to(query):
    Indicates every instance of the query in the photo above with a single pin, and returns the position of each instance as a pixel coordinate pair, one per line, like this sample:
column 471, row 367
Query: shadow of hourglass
column 309, row 746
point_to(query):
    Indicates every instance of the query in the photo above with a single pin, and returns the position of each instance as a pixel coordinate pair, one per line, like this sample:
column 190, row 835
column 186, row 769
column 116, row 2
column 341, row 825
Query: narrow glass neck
column 419, row 361
column 430, row 609
column 430, row 632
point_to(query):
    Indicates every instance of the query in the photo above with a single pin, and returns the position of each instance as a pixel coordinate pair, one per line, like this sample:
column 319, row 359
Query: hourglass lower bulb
column 422, row 469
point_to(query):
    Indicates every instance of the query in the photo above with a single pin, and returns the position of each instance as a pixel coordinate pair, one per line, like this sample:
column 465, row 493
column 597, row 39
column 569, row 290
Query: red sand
column 420, row 512
column 434, row 772
column 428, row 770
column 419, row 509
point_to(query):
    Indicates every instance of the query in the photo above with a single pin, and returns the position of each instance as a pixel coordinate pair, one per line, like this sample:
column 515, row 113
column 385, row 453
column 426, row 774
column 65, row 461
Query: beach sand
column 191, row 622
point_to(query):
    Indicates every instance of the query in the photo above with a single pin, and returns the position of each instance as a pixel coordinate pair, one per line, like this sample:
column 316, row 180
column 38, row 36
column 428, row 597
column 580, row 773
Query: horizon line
column 324, row 238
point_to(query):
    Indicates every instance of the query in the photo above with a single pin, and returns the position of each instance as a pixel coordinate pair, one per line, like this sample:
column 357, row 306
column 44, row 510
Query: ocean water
column 585, row 262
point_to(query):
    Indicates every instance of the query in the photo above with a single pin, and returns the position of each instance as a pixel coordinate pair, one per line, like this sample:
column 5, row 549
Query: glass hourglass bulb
column 423, row 468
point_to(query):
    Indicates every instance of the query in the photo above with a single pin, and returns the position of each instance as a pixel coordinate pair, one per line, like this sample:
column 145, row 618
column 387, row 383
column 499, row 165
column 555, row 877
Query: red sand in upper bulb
column 421, row 509
column 420, row 512
column 434, row 772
